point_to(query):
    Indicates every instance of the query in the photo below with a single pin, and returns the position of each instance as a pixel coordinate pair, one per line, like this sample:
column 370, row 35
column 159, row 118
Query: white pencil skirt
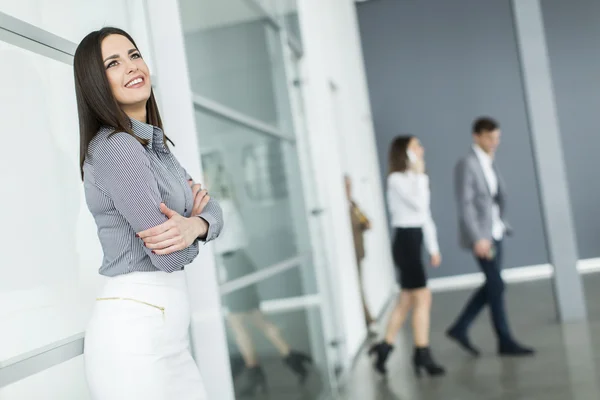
column 137, row 343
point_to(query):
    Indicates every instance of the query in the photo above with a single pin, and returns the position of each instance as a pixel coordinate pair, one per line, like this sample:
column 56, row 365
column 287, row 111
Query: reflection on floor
column 281, row 383
column 564, row 368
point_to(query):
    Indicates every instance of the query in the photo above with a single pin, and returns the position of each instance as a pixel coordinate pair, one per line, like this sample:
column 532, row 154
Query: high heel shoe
column 237, row 366
column 422, row 359
column 256, row 379
column 297, row 361
column 382, row 352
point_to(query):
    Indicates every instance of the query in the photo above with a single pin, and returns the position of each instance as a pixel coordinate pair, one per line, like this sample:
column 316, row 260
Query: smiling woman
column 150, row 217
column 127, row 74
column 108, row 60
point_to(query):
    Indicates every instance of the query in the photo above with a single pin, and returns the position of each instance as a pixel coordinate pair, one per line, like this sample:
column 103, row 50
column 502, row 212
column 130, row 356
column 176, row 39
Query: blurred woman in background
column 408, row 199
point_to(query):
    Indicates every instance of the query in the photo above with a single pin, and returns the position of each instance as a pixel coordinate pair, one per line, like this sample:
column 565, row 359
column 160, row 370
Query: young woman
column 150, row 217
column 408, row 202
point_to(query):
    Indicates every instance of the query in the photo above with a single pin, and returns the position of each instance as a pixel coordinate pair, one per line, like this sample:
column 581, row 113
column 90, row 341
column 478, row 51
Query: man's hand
column 482, row 248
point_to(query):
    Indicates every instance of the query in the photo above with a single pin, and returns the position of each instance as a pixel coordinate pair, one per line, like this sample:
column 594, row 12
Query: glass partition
column 231, row 55
column 263, row 338
column 271, row 300
column 243, row 169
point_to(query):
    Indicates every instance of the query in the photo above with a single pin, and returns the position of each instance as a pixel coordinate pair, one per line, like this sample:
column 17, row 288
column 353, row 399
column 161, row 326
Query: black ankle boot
column 423, row 359
column 237, row 366
column 255, row 379
column 297, row 361
column 382, row 352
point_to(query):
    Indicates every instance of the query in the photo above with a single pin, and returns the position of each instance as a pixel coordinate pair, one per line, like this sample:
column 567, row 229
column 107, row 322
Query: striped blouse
column 124, row 183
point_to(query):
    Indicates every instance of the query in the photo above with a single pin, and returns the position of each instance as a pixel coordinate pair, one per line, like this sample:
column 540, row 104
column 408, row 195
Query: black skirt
column 407, row 253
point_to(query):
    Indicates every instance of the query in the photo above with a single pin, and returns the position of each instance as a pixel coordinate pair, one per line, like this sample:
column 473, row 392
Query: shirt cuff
column 212, row 222
column 193, row 251
column 433, row 250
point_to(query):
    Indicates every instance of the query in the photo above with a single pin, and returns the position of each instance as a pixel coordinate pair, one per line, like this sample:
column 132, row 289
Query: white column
column 325, row 152
column 549, row 160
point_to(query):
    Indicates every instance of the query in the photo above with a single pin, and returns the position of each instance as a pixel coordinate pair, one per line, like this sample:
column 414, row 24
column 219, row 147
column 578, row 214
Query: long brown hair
column 398, row 159
column 96, row 104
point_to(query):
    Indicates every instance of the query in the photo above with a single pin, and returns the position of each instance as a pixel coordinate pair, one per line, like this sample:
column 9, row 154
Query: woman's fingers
column 170, row 234
column 200, row 202
column 203, row 202
column 170, row 249
column 198, row 198
column 157, row 230
column 176, row 241
column 195, row 189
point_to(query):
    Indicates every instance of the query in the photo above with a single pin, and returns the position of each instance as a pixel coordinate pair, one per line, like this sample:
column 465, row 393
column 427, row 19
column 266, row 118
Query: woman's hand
column 436, row 260
column 418, row 166
column 176, row 234
column 200, row 197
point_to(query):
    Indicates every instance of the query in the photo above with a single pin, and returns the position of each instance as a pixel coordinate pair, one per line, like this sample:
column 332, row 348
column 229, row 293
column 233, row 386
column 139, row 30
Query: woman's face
column 127, row 73
column 415, row 146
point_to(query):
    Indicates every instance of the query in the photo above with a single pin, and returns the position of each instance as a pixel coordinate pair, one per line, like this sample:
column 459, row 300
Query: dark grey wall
column 573, row 38
column 432, row 67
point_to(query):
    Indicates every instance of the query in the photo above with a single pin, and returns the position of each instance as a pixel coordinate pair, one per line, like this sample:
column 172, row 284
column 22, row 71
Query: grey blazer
column 474, row 201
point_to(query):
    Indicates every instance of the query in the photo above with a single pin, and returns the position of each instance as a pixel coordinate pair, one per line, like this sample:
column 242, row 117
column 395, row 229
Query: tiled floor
column 563, row 369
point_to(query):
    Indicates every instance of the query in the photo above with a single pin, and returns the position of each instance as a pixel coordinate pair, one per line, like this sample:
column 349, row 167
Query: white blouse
column 233, row 237
column 408, row 201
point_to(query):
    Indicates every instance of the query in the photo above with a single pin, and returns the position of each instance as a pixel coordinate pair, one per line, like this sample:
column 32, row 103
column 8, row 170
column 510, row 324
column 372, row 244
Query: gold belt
column 162, row 309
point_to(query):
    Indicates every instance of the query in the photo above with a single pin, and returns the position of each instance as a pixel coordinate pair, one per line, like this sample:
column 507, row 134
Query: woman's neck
column 137, row 113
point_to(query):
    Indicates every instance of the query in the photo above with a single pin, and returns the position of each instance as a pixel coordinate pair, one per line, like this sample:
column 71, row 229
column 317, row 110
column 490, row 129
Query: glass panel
column 269, row 6
column 51, row 256
column 247, row 171
column 81, row 18
column 233, row 55
column 290, row 284
column 64, row 381
column 261, row 340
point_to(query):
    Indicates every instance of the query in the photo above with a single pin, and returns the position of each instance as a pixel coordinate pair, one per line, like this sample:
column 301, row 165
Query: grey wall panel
column 432, row 67
column 573, row 40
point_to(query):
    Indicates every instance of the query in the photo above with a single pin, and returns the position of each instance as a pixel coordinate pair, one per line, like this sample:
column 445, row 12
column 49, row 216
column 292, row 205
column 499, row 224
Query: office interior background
column 272, row 103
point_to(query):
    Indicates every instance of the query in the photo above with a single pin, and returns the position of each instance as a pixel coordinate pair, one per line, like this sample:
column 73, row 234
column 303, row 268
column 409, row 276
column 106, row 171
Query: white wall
column 51, row 255
column 333, row 55
column 361, row 151
column 65, row 381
